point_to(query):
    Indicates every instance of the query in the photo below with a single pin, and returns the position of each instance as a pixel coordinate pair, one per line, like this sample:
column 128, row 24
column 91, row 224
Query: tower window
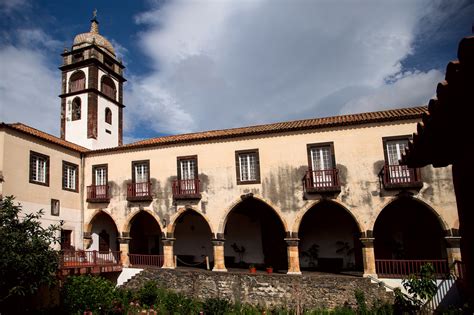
column 108, row 116
column 107, row 87
column 76, row 109
column 77, row 81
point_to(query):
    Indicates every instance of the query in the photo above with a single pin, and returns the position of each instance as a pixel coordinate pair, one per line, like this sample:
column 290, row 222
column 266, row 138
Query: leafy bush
column 148, row 294
column 361, row 304
column 217, row 306
column 81, row 293
column 175, row 303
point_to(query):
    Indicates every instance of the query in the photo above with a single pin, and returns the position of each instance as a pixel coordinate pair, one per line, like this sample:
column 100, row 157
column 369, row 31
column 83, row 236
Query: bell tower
column 92, row 92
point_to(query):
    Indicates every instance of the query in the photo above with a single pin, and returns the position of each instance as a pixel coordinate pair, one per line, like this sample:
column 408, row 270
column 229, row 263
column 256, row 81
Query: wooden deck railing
column 395, row 176
column 139, row 260
column 400, row 268
column 88, row 258
column 186, row 189
column 139, row 191
column 98, row 193
column 322, row 180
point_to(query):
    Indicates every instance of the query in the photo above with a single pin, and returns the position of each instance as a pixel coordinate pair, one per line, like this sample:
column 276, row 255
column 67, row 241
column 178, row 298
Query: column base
column 298, row 273
column 371, row 275
column 219, row 270
column 164, row 267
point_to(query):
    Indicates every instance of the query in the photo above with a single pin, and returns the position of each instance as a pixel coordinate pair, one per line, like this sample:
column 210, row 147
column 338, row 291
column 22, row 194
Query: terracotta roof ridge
column 279, row 126
column 45, row 136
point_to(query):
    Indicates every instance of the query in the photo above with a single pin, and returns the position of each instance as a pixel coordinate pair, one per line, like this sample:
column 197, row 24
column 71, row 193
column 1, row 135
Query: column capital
column 367, row 241
column 168, row 241
column 87, row 235
column 218, row 241
column 453, row 241
column 292, row 241
column 124, row 240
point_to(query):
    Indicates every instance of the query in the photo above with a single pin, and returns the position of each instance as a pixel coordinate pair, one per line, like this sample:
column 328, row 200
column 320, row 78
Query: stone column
column 368, row 256
column 293, row 256
column 219, row 263
column 453, row 248
column 87, row 240
column 168, row 259
column 124, row 242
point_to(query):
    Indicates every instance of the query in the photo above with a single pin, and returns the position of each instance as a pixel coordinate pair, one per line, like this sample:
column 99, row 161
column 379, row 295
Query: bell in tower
column 92, row 91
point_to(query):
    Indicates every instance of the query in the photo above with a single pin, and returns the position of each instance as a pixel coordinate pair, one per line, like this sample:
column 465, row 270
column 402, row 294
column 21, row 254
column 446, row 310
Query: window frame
column 73, row 103
column 257, row 166
column 97, row 166
column 134, row 163
column 184, row 158
column 108, row 116
column 43, row 156
column 53, row 205
column 76, row 179
column 393, row 138
column 319, row 145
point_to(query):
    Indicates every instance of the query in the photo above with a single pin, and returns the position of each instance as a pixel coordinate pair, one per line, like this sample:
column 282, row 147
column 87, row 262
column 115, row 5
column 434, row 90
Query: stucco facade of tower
column 92, row 92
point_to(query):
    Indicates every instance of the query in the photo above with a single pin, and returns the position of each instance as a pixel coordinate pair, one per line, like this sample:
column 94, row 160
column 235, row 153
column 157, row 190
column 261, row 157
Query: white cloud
column 10, row 5
column 233, row 63
column 30, row 84
column 414, row 88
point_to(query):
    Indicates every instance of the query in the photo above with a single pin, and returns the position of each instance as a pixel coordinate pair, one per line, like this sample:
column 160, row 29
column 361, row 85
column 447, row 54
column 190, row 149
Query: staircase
column 127, row 274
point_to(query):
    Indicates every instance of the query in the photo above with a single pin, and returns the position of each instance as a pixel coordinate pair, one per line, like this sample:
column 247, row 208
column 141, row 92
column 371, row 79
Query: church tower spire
column 92, row 91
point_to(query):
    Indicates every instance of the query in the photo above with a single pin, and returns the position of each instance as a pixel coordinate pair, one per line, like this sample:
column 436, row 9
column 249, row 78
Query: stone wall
column 307, row 291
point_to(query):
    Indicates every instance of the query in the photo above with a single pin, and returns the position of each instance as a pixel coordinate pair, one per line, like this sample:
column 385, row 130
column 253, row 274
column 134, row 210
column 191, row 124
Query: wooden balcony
column 80, row 262
column 98, row 193
column 139, row 192
column 401, row 268
column 401, row 176
column 149, row 261
column 186, row 189
column 322, row 181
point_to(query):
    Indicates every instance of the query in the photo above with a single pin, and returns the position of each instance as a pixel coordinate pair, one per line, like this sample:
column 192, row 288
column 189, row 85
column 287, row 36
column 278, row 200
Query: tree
column 27, row 261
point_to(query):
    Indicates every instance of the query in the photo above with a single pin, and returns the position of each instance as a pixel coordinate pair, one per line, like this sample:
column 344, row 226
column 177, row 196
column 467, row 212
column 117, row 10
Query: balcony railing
column 88, row 258
column 98, row 193
column 401, row 176
column 139, row 260
column 186, row 189
column 139, row 192
column 396, row 268
column 322, row 181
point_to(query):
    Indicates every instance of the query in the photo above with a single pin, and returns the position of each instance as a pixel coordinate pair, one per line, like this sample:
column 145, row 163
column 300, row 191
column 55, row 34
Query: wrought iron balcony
column 98, row 193
column 400, row 176
column 139, row 192
column 321, row 181
column 186, row 189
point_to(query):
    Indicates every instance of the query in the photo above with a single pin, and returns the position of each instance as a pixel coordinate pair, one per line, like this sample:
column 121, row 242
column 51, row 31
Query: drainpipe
column 82, row 200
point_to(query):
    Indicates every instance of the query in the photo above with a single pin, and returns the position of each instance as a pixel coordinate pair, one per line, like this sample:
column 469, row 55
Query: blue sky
column 201, row 65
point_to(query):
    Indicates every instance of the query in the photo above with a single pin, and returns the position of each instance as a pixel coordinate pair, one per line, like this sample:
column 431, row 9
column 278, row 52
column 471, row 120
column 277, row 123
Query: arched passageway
column 407, row 229
column 407, row 232
column 104, row 233
column 329, row 239
column 255, row 235
column 193, row 240
column 145, row 234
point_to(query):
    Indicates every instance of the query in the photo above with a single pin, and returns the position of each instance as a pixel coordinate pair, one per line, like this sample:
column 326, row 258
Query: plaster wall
column 15, row 150
column 283, row 162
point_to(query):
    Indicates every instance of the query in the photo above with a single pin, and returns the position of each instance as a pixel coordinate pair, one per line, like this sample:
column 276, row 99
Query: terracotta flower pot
column 253, row 270
column 269, row 270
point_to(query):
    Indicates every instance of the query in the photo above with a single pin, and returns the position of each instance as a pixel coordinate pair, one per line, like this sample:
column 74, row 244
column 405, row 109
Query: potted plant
column 252, row 268
column 269, row 269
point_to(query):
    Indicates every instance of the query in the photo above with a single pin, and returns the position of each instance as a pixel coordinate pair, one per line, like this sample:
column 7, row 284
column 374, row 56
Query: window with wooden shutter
column 39, row 168
column 247, row 166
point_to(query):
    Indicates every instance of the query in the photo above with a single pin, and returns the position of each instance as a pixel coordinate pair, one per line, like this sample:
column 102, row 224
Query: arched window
column 77, row 81
column 107, row 87
column 108, row 116
column 76, row 109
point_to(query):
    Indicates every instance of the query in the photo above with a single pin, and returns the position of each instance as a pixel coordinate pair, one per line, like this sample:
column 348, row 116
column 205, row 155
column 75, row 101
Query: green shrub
column 361, row 304
column 81, row 293
column 217, row 306
column 148, row 294
column 175, row 303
